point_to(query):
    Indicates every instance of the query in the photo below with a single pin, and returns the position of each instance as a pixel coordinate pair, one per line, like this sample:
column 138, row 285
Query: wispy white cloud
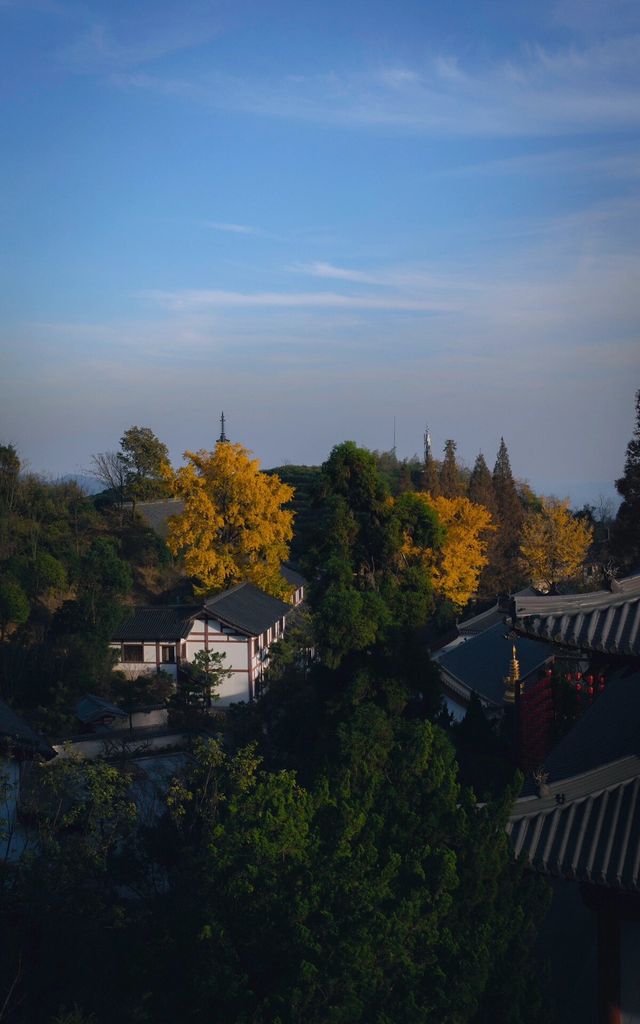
column 543, row 92
column 233, row 229
column 112, row 47
column 408, row 279
column 328, row 270
column 195, row 299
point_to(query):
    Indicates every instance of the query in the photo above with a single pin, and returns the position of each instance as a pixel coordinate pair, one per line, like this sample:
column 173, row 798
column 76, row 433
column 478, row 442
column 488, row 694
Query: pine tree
column 449, row 475
column 431, row 478
column 626, row 531
column 507, row 502
column 481, row 485
column 506, row 572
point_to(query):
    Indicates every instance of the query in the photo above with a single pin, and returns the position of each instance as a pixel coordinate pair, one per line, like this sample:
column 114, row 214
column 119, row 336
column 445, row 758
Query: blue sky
column 319, row 217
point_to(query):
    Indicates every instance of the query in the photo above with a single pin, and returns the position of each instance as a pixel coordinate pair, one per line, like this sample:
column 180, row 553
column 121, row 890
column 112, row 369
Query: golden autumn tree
column 455, row 567
column 554, row 544
column 233, row 527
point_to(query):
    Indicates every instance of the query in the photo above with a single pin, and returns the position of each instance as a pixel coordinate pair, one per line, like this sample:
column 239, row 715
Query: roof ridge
column 231, row 590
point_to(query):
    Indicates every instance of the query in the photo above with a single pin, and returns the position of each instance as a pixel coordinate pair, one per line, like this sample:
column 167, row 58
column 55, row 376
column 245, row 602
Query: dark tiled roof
column 608, row 731
column 478, row 624
column 21, row 735
column 607, row 620
column 247, row 608
column 481, row 662
column 91, row 707
column 160, row 623
column 594, row 836
column 296, row 579
column 484, row 620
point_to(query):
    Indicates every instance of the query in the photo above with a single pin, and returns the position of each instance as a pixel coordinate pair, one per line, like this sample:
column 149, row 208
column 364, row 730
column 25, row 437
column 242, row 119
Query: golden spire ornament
column 511, row 680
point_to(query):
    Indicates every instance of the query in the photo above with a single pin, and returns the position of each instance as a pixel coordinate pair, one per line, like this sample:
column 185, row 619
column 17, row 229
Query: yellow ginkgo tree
column 554, row 544
column 233, row 527
column 454, row 566
column 457, row 567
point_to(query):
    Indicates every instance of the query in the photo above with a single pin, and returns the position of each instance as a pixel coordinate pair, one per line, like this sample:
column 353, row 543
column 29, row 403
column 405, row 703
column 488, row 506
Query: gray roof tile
column 247, row 608
column 481, row 662
column 594, row 836
column 605, row 620
column 159, row 623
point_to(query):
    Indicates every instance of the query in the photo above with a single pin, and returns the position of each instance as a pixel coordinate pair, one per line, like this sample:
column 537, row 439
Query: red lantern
column 591, row 691
column 578, row 675
column 579, row 687
column 590, row 679
column 568, row 677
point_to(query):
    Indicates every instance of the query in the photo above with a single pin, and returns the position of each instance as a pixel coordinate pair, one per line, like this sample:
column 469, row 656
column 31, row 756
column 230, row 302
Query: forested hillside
column 313, row 855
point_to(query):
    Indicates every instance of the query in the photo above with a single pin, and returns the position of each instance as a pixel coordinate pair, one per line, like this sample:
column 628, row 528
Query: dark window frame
column 171, row 658
column 126, row 651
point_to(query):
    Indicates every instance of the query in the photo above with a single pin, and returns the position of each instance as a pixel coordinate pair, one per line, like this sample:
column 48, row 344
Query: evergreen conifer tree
column 506, row 572
column 626, row 532
column 481, row 485
column 431, row 478
column 449, row 475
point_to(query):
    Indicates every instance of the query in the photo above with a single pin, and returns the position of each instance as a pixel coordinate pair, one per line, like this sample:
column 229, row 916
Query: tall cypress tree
column 431, row 478
column 507, row 501
column 449, row 474
column 626, row 531
column 506, row 570
column 481, row 485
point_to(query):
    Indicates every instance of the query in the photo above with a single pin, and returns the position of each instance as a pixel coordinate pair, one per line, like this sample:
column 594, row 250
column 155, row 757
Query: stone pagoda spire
column 223, row 437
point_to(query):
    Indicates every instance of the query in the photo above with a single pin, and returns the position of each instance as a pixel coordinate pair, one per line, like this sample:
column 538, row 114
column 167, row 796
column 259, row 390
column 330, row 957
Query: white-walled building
column 240, row 623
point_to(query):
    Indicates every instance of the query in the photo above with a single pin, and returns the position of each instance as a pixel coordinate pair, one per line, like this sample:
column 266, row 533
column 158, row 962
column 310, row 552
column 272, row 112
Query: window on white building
column 132, row 653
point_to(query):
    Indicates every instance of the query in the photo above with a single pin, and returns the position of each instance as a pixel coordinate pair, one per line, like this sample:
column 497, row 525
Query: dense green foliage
column 376, row 892
column 65, row 571
column 134, row 473
column 304, row 480
column 326, row 861
column 365, row 587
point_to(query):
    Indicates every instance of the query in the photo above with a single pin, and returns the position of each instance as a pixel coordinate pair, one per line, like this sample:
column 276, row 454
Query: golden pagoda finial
column 513, row 676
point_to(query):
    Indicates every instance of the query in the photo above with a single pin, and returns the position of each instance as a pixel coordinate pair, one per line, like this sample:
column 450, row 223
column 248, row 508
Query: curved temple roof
column 586, row 828
column 607, row 620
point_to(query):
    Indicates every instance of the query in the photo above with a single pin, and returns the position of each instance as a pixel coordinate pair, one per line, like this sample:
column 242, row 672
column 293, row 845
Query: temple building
column 579, row 816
